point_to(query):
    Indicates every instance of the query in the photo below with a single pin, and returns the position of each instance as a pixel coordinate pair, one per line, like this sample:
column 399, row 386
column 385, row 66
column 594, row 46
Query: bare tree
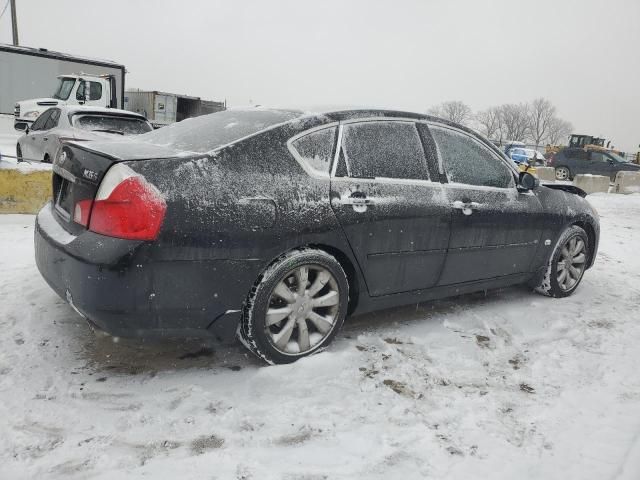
column 515, row 121
column 541, row 114
column 454, row 111
column 558, row 130
column 490, row 122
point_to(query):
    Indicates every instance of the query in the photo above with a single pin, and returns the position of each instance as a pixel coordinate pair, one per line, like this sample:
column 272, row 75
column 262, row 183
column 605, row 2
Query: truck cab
column 76, row 89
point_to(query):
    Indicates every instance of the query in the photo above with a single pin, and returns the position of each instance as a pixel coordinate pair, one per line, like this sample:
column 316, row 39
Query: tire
column 563, row 173
column 565, row 280
column 297, row 326
column 47, row 159
column 18, row 153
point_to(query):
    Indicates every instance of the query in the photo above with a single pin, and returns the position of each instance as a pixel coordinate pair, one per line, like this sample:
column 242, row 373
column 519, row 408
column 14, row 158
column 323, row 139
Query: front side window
column 89, row 91
column 316, row 149
column 468, row 161
column 52, row 122
column 42, row 120
column 384, row 149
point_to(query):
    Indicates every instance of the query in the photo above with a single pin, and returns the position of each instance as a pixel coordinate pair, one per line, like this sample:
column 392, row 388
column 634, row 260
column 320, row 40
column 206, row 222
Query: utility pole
column 14, row 22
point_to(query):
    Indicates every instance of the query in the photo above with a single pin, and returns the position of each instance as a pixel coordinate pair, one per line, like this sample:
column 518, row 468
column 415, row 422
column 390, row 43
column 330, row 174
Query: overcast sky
column 583, row 55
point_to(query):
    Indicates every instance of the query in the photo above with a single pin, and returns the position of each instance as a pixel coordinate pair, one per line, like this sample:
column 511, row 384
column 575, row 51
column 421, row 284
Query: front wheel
column 563, row 173
column 567, row 264
column 296, row 307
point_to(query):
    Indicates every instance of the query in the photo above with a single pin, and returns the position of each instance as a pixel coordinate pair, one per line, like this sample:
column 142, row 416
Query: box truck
column 35, row 79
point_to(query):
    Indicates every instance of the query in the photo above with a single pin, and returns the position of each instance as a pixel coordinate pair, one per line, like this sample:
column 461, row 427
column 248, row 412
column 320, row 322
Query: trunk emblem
column 90, row 174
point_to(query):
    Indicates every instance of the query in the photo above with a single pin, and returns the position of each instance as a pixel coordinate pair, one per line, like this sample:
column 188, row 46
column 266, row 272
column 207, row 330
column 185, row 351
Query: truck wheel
column 296, row 307
column 563, row 173
column 567, row 264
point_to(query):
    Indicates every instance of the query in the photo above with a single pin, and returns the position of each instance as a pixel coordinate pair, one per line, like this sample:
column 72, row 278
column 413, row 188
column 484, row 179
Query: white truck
column 31, row 73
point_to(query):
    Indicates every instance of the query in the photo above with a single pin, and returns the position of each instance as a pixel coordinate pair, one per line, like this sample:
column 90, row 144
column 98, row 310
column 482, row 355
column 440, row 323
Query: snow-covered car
column 42, row 140
column 276, row 224
column 527, row 155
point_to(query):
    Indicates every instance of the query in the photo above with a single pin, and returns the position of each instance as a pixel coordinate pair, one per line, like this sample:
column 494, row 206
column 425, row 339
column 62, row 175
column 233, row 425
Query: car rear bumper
column 118, row 287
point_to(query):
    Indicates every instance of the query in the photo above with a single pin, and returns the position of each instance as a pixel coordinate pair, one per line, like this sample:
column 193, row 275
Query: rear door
column 395, row 217
column 495, row 229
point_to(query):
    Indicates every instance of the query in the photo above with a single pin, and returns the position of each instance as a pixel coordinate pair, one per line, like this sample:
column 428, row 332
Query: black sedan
column 570, row 162
column 274, row 225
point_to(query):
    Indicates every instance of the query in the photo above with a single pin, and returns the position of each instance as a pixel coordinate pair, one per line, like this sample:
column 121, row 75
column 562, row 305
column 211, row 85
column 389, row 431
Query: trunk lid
column 80, row 167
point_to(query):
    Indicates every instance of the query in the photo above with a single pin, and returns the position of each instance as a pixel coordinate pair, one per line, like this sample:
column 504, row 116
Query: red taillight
column 127, row 206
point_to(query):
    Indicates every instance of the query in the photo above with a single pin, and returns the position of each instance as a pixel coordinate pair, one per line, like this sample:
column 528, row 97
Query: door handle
column 357, row 201
column 466, row 207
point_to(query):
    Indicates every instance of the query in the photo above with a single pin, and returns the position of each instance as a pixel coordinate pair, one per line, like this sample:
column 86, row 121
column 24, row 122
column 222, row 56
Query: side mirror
column 21, row 127
column 527, row 181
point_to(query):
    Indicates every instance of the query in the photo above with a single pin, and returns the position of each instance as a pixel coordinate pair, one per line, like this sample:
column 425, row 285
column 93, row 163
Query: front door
column 395, row 218
column 495, row 229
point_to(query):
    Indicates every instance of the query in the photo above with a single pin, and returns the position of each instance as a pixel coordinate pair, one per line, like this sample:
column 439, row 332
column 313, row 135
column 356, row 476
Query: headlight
column 32, row 114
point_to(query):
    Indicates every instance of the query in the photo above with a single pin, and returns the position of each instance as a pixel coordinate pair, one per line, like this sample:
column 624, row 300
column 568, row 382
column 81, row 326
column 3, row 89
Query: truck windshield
column 111, row 124
column 208, row 132
column 64, row 88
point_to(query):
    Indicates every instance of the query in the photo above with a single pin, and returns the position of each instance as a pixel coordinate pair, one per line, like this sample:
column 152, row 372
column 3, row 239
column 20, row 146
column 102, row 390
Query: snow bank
column 504, row 385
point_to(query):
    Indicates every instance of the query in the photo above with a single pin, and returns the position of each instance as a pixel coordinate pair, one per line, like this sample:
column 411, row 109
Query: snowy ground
column 509, row 385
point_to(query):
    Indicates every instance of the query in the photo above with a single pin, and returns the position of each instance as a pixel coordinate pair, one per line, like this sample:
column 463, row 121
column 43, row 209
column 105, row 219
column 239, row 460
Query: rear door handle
column 358, row 201
column 466, row 207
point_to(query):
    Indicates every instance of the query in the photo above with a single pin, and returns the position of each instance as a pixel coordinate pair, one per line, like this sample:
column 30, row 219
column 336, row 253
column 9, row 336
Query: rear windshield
column 111, row 124
column 208, row 132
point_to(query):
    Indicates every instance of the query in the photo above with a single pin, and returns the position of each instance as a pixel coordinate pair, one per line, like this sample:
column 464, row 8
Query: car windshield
column 208, row 132
column 111, row 124
column 64, row 88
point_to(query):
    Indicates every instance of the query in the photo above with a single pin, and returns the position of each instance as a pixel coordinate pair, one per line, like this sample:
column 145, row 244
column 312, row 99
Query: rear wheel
column 296, row 307
column 47, row 158
column 567, row 264
column 563, row 173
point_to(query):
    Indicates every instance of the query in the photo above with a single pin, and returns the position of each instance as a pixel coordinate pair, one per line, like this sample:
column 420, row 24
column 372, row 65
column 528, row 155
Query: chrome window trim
column 510, row 168
column 305, row 166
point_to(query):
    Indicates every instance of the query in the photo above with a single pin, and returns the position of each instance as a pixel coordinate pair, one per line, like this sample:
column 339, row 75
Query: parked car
column 42, row 140
column 277, row 224
column 509, row 144
column 527, row 156
column 570, row 162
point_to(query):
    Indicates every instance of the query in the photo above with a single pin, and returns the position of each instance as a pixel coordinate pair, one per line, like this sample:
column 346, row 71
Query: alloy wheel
column 562, row 173
column 302, row 309
column 571, row 263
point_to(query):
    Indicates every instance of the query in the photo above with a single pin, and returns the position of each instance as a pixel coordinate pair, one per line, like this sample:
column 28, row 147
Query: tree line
column 536, row 122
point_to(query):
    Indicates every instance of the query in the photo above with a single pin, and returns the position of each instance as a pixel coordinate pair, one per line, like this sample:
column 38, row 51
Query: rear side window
column 382, row 149
column 316, row 149
column 467, row 161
